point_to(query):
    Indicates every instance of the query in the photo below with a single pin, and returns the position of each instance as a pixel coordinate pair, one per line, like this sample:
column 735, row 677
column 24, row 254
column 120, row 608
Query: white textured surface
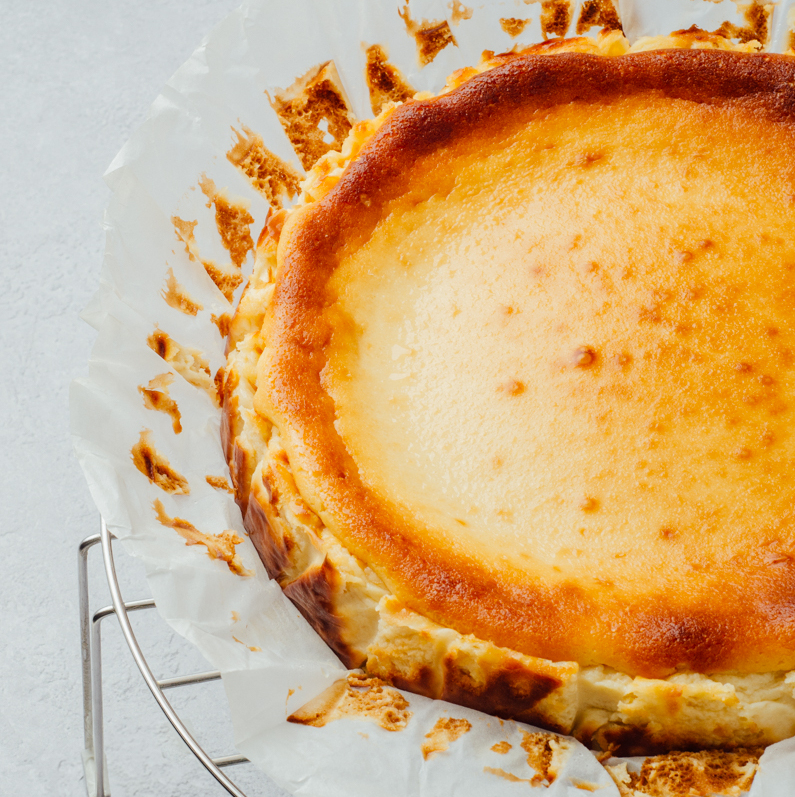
column 77, row 79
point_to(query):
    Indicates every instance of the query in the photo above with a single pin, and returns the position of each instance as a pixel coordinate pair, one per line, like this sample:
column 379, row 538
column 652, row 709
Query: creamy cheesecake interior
column 560, row 354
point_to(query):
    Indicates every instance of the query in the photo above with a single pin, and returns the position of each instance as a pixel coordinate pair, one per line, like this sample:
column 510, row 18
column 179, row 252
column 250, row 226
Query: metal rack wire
column 91, row 644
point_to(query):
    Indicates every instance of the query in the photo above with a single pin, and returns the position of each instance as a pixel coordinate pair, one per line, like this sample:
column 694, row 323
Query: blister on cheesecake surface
column 507, row 396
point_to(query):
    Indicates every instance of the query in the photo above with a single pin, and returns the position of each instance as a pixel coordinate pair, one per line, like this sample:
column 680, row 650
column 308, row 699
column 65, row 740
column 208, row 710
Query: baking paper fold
column 271, row 660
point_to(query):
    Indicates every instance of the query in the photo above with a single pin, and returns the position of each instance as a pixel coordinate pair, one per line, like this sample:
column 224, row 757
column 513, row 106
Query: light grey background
column 76, row 78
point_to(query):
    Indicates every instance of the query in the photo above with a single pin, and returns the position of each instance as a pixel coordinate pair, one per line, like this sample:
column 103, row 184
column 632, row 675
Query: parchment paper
column 272, row 662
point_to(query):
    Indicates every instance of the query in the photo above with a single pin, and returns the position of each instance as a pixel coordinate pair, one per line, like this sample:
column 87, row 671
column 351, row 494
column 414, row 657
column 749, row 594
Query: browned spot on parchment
column 431, row 37
column 177, row 297
column 253, row 648
column 443, row 734
column 384, row 80
column 156, row 467
column 187, row 362
column 218, row 383
column 184, row 230
column 501, row 773
column 458, row 12
column 598, row 13
column 555, row 17
column 223, row 322
column 276, row 180
column 513, row 26
column 156, row 397
column 232, row 220
column 543, row 754
column 757, row 27
column 219, row 546
column 219, row 483
column 684, row 774
column 501, row 748
column 225, row 280
column 314, row 113
column 356, row 697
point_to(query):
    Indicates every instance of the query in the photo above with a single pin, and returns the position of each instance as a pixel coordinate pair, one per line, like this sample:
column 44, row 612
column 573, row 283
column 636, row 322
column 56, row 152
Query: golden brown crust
column 400, row 646
column 267, row 533
column 313, row 594
column 412, row 653
column 456, row 589
column 508, row 690
column 642, row 740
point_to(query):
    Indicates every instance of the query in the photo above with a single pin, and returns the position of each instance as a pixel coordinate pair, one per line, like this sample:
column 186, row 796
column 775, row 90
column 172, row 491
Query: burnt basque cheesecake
column 510, row 397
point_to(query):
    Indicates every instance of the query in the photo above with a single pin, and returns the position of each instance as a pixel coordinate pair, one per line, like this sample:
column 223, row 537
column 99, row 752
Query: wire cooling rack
column 94, row 762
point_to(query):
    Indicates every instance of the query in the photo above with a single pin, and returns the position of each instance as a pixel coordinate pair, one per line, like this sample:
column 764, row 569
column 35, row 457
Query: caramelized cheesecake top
column 533, row 358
